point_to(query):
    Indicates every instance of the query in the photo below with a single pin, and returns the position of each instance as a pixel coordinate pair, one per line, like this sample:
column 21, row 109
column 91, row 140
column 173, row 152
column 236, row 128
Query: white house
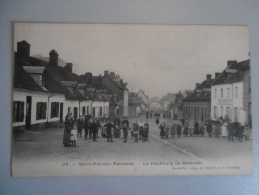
column 227, row 94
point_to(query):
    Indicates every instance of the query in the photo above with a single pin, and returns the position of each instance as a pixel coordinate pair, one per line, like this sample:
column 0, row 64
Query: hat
column 125, row 117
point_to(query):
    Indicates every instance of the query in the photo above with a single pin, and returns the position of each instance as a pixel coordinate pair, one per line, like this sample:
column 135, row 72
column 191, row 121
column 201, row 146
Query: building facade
column 231, row 93
column 44, row 92
column 197, row 103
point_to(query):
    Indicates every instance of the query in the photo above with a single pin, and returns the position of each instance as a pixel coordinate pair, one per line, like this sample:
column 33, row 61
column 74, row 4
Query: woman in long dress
column 224, row 132
column 69, row 123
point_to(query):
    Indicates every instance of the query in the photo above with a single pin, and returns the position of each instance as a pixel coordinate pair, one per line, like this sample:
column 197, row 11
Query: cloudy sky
column 155, row 58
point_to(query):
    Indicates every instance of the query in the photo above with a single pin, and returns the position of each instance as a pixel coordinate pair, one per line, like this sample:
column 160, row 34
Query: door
column 61, row 113
column 28, row 113
column 93, row 111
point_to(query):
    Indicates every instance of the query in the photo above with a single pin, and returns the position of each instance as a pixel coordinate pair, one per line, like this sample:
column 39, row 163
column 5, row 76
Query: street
column 45, row 147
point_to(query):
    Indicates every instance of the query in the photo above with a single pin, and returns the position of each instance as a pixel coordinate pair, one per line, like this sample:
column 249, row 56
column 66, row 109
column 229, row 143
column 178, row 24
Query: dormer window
column 35, row 72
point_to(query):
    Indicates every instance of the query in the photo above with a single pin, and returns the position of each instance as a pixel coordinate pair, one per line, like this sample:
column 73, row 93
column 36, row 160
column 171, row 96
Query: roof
column 22, row 80
column 233, row 73
column 200, row 93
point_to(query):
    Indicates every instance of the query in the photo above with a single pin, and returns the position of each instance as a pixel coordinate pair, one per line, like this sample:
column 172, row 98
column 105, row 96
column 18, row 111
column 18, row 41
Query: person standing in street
column 109, row 127
column 185, row 129
column 173, row 131
column 125, row 127
column 209, row 128
column 86, row 125
column 69, row 123
column 146, row 131
column 196, row 129
column 135, row 130
column 141, row 129
column 230, row 132
column 240, row 131
column 179, row 130
column 167, row 130
column 94, row 126
column 162, row 130
column 217, row 129
column 202, row 130
column 73, row 137
column 80, row 125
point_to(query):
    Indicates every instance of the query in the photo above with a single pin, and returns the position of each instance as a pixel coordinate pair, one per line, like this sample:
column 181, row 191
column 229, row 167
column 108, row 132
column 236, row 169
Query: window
column 93, row 111
column 41, row 110
column 83, row 110
column 101, row 111
column 75, row 112
column 215, row 112
column 54, row 109
column 68, row 109
column 228, row 93
column 18, row 111
column 87, row 109
column 221, row 92
column 215, row 91
column 222, row 114
column 198, row 112
column 236, row 92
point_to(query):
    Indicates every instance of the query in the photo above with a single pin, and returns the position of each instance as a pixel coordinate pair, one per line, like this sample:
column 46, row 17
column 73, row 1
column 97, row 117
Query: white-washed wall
column 229, row 100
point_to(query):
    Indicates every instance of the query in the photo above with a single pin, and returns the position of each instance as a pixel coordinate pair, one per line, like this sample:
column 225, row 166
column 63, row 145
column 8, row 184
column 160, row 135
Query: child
column 247, row 132
column 179, row 130
column 135, row 131
column 73, row 137
column 191, row 130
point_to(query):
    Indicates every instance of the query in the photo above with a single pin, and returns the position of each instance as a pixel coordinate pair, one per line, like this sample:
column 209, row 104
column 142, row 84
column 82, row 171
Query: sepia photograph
column 131, row 100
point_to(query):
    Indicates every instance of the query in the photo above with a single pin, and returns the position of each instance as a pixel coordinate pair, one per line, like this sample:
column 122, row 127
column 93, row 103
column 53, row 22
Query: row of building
column 44, row 92
column 226, row 96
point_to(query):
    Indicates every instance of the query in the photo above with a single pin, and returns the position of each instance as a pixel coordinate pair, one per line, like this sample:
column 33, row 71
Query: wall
column 228, row 101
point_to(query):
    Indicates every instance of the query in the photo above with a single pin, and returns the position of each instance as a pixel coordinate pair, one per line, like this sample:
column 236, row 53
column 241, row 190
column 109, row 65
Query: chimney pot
column 23, row 49
column 89, row 78
column 197, row 85
column 69, row 67
column 53, row 58
column 231, row 62
column 106, row 72
column 208, row 76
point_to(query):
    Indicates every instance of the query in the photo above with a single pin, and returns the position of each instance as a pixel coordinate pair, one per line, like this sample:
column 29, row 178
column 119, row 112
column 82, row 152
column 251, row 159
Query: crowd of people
column 139, row 130
column 104, row 126
column 191, row 128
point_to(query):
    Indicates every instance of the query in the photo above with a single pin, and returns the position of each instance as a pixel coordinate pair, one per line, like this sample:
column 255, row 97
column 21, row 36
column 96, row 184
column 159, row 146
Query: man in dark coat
column 196, row 129
column 230, row 132
column 109, row 127
column 94, row 126
column 86, row 125
column 125, row 126
column 80, row 125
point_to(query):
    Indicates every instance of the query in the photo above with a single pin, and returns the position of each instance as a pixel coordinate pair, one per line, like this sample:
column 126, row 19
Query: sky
column 159, row 59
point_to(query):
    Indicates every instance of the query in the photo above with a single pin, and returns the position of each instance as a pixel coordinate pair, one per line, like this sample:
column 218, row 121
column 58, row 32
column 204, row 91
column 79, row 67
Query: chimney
column 106, row 72
column 69, row 67
column 217, row 74
column 197, row 85
column 208, row 76
column 89, row 78
column 53, row 58
column 231, row 62
column 23, row 49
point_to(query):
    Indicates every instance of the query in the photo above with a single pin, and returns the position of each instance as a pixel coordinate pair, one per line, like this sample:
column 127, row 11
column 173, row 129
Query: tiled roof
column 232, row 73
column 22, row 79
column 200, row 93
